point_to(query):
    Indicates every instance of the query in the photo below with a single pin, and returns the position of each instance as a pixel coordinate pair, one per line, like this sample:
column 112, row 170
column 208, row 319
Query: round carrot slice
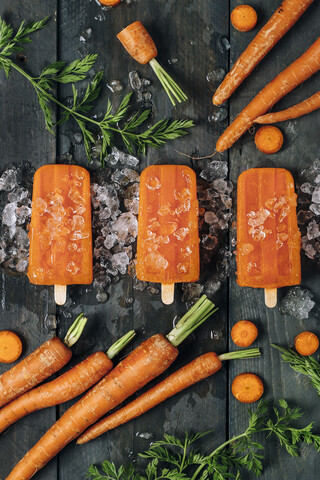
column 244, row 333
column 268, row 139
column 10, row 346
column 244, row 18
column 306, row 343
column 247, row 387
column 110, row 3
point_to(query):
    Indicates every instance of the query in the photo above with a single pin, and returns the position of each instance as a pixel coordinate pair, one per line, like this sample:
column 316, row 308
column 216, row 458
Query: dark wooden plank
column 300, row 148
column 24, row 308
column 199, row 26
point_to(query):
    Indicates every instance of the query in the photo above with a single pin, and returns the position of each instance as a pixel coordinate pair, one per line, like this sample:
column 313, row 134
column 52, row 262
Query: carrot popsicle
column 60, row 230
column 268, row 239
column 168, row 238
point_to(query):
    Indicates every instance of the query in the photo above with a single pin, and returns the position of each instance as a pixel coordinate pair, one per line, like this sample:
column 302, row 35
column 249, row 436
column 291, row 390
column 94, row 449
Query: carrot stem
column 198, row 314
column 75, row 331
column 240, row 354
column 120, row 344
column 169, row 85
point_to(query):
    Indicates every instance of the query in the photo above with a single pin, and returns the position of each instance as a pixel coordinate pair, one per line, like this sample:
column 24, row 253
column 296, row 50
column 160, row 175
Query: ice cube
column 8, row 180
column 126, row 228
column 315, row 208
column 304, row 216
column 210, row 218
column 9, row 214
column 18, row 194
column 23, row 214
column 115, row 86
column 218, row 115
column 216, row 75
column 102, row 297
column 22, row 265
column 191, row 291
column 316, row 195
column 223, row 44
column 135, row 80
column 215, row 169
column 307, row 188
column 297, row 303
column 313, row 230
column 110, row 240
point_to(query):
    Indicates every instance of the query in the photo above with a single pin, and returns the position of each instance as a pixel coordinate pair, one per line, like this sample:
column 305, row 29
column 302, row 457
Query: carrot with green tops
column 306, row 343
column 139, row 44
column 303, row 108
column 46, row 360
column 244, row 333
column 195, row 371
column 145, row 363
column 10, row 346
column 66, row 387
column 277, row 26
column 299, row 71
column 243, row 18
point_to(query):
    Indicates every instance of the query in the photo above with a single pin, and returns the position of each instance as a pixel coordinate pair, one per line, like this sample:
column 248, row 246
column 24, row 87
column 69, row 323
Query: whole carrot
column 47, row 359
column 195, row 371
column 66, row 387
column 146, row 362
column 299, row 71
column 307, row 106
column 277, row 26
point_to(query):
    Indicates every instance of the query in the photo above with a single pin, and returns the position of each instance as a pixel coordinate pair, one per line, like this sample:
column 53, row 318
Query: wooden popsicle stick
column 270, row 297
column 167, row 293
column 60, row 294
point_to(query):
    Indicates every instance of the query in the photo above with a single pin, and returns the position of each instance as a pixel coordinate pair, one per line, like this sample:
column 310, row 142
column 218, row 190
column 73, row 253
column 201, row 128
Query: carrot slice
column 268, row 139
column 244, row 333
column 10, row 346
column 306, row 343
column 247, row 387
column 244, row 18
column 110, row 3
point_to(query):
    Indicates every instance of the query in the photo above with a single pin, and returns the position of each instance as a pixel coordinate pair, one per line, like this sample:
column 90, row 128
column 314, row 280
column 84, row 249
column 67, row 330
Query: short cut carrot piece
column 247, row 387
column 300, row 70
column 138, row 43
column 244, row 333
column 244, row 18
column 303, row 108
column 268, row 139
column 306, row 343
column 10, row 346
column 285, row 16
column 110, row 3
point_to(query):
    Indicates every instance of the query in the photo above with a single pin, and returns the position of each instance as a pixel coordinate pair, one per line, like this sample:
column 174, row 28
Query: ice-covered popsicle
column 168, row 238
column 60, row 230
column 268, row 239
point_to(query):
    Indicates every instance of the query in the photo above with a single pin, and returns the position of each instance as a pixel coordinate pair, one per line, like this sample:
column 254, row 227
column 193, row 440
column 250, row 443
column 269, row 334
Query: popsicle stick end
column 270, row 297
column 167, row 293
column 60, row 294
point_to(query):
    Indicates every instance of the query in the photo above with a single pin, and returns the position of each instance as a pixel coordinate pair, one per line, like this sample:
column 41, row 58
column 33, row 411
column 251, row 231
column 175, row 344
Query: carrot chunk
column 306, row 343
column 110, row 3
column 10, row 346
column 244, row 18
column 138, row 43
column 244, row 333
column 268, row 139
column 247, row 387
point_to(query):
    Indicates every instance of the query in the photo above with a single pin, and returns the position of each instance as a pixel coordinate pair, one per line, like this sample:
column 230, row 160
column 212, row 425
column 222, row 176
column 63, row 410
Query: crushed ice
column 297, row 303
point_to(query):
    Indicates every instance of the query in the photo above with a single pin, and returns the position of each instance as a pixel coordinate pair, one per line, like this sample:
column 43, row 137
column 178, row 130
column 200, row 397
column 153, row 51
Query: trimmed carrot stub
column 303, row 108
column 268, row 139
column 66, row 387
column 306, row 343
column 244, row 333
column 145, row 363
column 10, row 346
column 139, row 44
column 277, row 26
column 296, row 73
column 244, row 18
column 247, row 387
column 46, row 360
column 195, row 371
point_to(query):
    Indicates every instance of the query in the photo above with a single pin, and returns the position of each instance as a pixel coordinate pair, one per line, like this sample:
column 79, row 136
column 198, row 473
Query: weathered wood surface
column 187, row 30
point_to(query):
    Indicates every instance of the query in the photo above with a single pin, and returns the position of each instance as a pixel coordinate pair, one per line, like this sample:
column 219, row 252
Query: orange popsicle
column 268, row 239
column 168, row 238
column 60, row 229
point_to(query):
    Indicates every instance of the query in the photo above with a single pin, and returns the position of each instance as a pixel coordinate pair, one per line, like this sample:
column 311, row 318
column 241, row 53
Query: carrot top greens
column 118, row 123
column 172, row 458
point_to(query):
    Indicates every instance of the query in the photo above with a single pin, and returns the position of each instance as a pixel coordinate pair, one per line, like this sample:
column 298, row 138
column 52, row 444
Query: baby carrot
column 244, row 18
column 268, row 139
column 195, row 371
column 66, row 387
column 247, row 387
column 10, row 346
column 47, row 359
column 306, row 343
column 146, row 362
column 244, row 333
column 139, row 44
column 307, row 106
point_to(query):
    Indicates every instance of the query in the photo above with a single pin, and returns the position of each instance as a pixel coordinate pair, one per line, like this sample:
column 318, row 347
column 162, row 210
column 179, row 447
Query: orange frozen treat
column 268, row 239
column 168, row 238
column 60, row 229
